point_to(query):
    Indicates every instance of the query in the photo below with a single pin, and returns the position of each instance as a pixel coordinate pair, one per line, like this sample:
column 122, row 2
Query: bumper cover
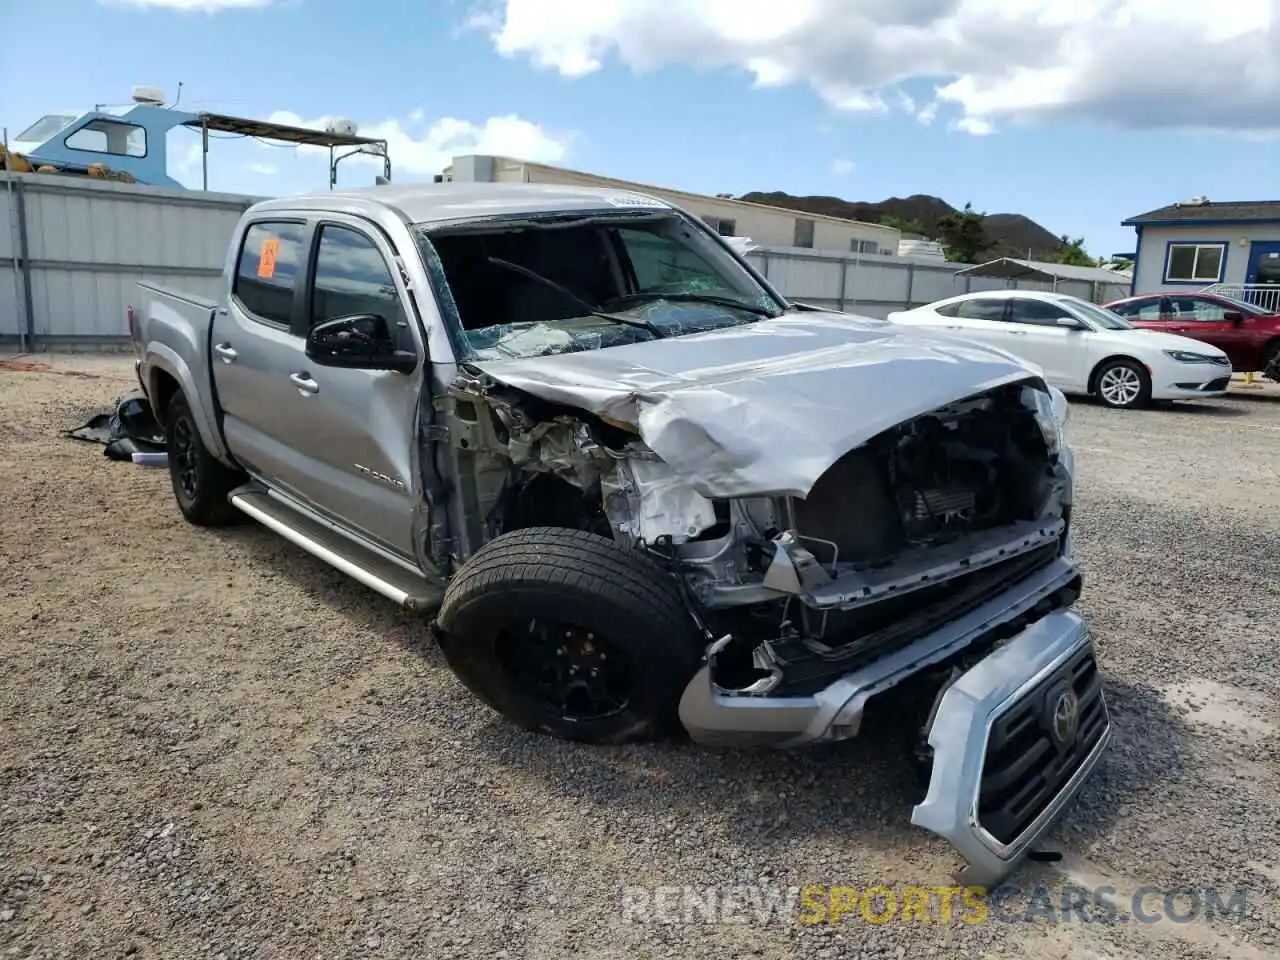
column 716, row 717
column 962, row 727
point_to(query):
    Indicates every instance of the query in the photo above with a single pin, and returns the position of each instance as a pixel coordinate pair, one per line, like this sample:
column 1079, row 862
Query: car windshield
column 563, row 283
column 1101, row 317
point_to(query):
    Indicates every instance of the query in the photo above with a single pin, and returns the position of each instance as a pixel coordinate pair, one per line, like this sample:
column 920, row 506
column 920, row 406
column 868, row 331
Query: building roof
column 436, row 203
column 644, row 187
column 1010, row 268
column 1243, row 211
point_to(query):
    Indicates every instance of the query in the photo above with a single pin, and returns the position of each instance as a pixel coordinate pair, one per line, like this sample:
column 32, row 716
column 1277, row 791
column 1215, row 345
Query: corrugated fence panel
column 89, row 242
column 10, row 282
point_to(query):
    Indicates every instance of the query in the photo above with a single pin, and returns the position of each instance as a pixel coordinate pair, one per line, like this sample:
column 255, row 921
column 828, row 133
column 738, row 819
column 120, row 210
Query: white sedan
column 1082, row 348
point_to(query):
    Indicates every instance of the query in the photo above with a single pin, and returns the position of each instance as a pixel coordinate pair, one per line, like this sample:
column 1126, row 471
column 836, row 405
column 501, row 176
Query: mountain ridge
column 1013, row 234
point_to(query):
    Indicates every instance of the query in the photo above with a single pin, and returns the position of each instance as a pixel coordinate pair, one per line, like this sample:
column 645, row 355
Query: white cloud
column 1135, row 63
column 263, row 169
column 842, row 168
column 188, row 6
column 430, row 149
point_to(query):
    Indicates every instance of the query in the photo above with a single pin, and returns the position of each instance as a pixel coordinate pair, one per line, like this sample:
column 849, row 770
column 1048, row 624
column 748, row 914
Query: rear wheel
column 1123, row 384
column 568, row 633
column 1271, row 360
column 200, row 482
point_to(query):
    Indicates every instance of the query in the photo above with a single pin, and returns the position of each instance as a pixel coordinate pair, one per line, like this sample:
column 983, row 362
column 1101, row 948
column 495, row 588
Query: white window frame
column 1220, row 246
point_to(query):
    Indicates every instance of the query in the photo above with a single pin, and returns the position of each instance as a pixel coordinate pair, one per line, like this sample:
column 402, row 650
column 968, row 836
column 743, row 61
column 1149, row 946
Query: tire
column 1271, row 361
column 529, row 617
column 1123, row 384
column 200, row 482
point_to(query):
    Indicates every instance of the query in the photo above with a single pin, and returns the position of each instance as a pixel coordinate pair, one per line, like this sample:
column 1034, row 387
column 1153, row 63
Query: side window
column 661, row 264
column 1139, row 309
column 948, row 309
column 109, row 136
column 982, row 308
column 1038, row 313
column 267, row 269
column 1195, row 308
column 352, row 277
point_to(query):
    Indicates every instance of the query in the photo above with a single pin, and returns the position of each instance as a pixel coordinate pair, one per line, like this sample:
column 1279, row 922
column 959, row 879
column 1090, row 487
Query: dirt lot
column 212, row 745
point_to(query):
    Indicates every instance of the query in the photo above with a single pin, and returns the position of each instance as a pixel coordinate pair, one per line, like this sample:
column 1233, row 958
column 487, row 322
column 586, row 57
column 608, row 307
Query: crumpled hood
column 766, row 407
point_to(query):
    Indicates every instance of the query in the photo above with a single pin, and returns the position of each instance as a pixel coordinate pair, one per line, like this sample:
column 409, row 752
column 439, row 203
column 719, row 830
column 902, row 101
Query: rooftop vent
column 1193, row 202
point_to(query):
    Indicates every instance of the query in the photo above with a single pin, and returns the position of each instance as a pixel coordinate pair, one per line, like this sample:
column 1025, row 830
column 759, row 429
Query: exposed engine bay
column 924, row 521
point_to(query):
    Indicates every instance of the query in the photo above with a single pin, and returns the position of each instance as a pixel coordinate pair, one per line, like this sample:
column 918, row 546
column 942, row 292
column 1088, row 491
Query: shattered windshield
column 567, row 283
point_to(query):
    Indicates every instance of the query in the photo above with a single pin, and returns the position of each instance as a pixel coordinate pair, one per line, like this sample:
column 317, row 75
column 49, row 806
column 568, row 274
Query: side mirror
column 1233, row 316
column 359, row 342
column 1071, row 323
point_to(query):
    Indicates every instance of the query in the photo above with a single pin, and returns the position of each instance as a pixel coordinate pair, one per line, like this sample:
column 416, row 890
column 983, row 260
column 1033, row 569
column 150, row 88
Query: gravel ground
column 213, row 745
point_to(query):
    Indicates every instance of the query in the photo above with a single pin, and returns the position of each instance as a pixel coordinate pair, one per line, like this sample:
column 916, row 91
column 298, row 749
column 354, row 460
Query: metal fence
column 72, row 249
column 876, row 286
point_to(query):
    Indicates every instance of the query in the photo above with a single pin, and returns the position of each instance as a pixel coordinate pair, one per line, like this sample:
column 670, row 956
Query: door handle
column 304, row 383
column 225, row 351
column 1017, row 333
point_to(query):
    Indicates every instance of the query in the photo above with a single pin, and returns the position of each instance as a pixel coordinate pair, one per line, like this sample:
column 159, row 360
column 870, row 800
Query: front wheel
column 569, row 633
column 1123, row 384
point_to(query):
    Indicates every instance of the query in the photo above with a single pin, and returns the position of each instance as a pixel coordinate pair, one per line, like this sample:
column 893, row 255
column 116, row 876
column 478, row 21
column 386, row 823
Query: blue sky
column 1076, row 114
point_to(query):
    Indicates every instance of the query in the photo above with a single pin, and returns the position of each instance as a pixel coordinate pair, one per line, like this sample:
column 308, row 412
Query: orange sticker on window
column 267, row 258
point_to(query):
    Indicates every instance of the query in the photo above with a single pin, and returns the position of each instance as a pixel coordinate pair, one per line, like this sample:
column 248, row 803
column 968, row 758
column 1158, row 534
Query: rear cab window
column 267, row 270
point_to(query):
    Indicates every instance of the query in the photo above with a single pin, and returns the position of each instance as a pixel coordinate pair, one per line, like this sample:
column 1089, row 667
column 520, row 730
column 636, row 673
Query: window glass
column 1196, row 308
column 803, row 233
column 45, row 127
column 1139, row 309
column 1194, row 262
column 663, row 263
column 1039, row 313
column 352, row 277
column 981, row 308
column 947, row 310
column 267, row 269
column 110, row 136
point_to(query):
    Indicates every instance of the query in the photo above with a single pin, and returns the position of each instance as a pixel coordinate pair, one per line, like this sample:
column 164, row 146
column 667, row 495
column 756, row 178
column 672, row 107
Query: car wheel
column 200, row 481
column 1271, row 361
column 569, row 633
column 1123, row 384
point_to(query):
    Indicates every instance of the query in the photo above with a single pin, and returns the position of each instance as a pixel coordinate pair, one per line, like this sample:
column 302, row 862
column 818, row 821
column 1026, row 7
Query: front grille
column 1219, row 384
column 1024, row 767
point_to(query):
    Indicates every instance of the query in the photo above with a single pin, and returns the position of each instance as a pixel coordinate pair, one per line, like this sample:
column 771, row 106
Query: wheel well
column 163, row 388
column 1269, row 350
column 1093, row 375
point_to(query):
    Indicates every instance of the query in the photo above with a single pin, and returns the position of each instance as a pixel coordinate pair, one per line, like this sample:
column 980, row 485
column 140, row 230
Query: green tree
column 1072, row 252
column 906, row 226
column 963, row 236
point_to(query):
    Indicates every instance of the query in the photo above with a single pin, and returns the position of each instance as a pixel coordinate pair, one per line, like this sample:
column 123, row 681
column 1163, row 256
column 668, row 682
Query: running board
column 411, row 591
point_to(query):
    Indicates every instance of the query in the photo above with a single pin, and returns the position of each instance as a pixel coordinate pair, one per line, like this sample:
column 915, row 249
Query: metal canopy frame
column 285, row 133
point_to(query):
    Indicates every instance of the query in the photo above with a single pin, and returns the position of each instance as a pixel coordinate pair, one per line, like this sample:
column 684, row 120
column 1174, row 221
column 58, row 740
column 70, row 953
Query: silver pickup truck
column 635, row 491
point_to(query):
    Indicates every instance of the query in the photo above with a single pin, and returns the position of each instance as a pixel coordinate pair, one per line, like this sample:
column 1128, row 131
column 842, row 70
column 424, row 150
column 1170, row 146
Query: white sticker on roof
column 634, row 200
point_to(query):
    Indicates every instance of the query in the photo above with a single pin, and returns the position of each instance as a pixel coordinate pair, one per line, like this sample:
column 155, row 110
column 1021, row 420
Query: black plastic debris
column 131, row 428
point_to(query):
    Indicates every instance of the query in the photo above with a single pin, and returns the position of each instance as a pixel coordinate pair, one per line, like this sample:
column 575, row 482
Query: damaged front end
column 938, row 551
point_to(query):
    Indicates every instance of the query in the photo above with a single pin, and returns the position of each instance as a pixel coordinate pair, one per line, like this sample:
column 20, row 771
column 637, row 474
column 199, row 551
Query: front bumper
column 1028, row 675
column 717, row 717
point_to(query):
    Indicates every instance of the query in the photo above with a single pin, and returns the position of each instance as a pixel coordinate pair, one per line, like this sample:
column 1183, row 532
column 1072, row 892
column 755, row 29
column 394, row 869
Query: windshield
column 1100, row 317
column 44, row 128
column 563, row 283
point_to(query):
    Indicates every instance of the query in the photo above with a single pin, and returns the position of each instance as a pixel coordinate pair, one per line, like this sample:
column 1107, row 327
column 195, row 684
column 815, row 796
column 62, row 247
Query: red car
column 1248, row 335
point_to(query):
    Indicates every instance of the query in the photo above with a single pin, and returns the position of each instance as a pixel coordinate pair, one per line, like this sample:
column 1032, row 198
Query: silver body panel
column 757, row 410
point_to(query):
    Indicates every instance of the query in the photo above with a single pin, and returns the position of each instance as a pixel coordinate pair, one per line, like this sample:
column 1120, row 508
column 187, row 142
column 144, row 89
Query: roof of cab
column 429, row 203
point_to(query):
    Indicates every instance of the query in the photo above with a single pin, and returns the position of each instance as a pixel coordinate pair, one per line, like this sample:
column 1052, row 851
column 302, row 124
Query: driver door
column 354, row 432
